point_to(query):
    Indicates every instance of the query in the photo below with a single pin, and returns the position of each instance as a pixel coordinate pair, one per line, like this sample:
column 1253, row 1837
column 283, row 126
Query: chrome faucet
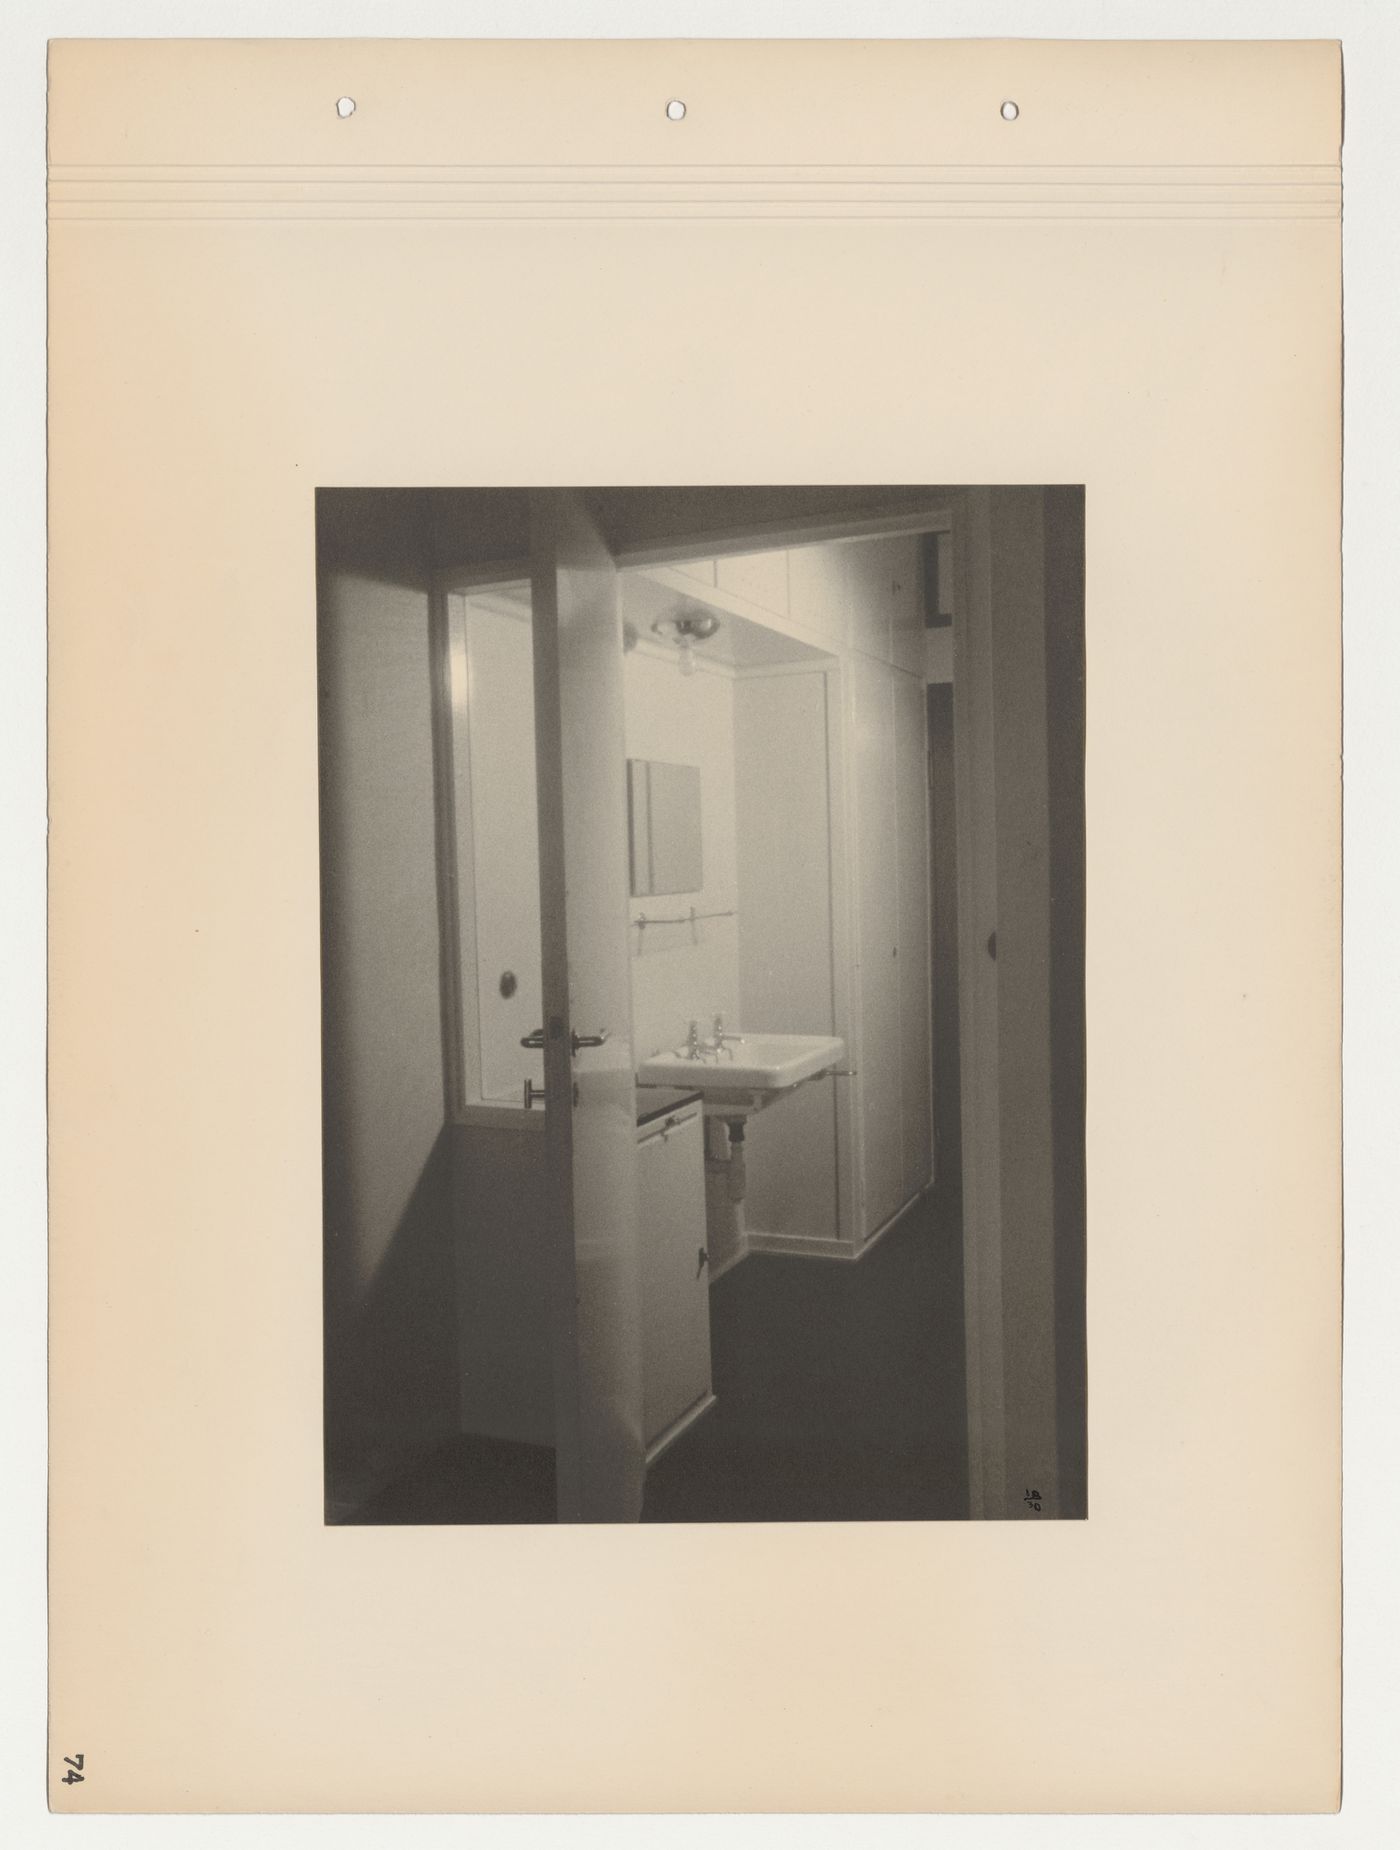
column 696, row 1049
column 721, row 1040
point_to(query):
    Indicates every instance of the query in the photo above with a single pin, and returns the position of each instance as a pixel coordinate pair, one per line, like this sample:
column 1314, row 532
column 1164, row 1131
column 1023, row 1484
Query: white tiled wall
column 684, row 973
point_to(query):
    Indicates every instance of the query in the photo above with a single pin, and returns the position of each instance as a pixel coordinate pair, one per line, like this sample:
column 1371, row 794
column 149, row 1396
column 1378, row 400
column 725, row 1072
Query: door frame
column 1018, row 629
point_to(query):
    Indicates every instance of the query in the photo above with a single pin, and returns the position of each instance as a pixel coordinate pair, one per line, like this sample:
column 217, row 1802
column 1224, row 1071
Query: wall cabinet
column 887, row 734
column 675, row 1273
column 787, row 969
column 865, row 599
column 817, row 592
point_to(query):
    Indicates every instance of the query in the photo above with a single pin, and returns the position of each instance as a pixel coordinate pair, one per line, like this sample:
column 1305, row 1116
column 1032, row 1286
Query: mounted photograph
column 702, row 878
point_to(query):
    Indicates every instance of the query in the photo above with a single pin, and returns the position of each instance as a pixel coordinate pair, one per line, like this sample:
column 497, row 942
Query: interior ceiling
column 633, row 519
column 472, row 527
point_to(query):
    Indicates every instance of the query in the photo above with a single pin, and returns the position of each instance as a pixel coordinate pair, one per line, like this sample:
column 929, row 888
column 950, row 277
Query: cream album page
column 695, row 926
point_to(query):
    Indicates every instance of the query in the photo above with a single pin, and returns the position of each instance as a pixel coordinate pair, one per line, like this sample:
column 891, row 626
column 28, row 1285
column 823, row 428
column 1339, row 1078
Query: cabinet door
column 761, row 577
column 785, row 945
column 877, row 919
column 675, row 1271
column 817, row 591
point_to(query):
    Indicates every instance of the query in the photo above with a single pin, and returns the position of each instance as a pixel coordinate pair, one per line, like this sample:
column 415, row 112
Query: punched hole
column 345, row 106
column 675, row 110
column 1009, row 111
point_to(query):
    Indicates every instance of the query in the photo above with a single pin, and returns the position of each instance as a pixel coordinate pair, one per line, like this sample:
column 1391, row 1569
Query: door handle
column 532, row 1092
column 536, row 1039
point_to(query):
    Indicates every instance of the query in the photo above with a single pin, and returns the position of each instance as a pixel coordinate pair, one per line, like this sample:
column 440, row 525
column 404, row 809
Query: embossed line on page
column 128, row 191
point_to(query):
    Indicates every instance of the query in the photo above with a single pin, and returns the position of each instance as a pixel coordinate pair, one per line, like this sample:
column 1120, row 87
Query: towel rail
column 686, row 918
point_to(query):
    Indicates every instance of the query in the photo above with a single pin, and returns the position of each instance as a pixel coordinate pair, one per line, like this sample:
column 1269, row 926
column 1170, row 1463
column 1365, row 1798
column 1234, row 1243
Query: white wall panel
column 685, row 973
column 390, row 1367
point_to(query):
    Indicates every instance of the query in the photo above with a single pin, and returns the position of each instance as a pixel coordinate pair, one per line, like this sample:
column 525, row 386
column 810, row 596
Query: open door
column 590, row 1115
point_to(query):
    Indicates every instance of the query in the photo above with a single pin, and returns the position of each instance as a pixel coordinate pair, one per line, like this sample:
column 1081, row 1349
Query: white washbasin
column 752, row 1069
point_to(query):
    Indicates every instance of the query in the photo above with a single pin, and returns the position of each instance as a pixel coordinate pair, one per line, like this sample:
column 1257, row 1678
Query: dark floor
column 840, row 1397
column 839, row 1388
column 470, row 1480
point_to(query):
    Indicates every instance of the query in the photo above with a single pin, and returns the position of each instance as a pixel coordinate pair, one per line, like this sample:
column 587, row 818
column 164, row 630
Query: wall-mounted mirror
column 663, row 805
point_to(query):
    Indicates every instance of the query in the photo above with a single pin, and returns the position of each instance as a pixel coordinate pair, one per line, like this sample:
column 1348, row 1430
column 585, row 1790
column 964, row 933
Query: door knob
column 533, row 1092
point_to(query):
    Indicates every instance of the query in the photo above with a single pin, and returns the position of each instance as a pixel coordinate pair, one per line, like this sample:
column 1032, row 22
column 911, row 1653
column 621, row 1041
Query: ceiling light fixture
column 685, row 629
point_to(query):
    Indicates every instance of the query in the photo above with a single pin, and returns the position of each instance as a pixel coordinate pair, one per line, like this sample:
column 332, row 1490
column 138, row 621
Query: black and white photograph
column 702, row 991
column 691, row 837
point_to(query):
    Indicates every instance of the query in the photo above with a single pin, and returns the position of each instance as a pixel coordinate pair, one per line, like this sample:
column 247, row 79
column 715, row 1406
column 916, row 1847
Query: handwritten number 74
column 74, row 1764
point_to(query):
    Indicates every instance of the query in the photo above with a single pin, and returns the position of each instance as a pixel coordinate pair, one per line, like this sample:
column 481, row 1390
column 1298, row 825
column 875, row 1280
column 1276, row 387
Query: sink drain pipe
column 738, row 1170
column 725, row 1157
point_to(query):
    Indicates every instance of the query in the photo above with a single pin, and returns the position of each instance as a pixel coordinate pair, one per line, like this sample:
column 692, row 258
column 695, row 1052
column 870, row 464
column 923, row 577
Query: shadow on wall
column 389, row 1359
column 391, row 1382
